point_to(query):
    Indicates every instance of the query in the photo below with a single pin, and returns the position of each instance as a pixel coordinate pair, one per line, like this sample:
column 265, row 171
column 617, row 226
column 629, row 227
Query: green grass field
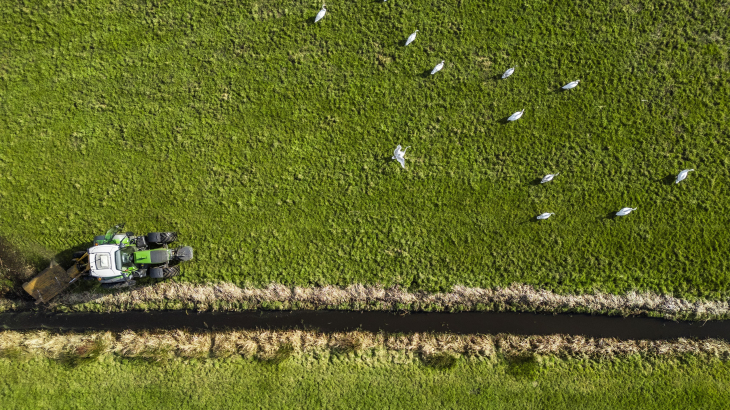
column 265, row 140
column 347, row 384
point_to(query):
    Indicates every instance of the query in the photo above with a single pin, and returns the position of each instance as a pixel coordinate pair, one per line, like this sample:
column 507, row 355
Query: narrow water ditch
column 340, row 321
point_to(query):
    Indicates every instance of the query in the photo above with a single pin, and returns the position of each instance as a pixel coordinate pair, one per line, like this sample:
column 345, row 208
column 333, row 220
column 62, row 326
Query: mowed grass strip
column 265, row 139
column 368, row 381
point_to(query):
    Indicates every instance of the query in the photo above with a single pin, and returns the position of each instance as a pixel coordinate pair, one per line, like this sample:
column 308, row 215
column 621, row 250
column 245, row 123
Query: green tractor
column 115, row 260
column 117, row 257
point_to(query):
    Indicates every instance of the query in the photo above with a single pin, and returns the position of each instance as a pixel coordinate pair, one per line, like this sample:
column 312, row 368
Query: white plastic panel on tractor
column 102, row 261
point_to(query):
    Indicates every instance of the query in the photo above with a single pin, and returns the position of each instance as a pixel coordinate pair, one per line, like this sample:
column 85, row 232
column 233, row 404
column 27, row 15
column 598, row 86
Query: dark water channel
column 337, row 321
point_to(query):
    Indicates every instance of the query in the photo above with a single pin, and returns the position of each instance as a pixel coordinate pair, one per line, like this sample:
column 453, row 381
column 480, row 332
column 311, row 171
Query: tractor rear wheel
column 170, row 271
column 161, row 237
column 168, row 237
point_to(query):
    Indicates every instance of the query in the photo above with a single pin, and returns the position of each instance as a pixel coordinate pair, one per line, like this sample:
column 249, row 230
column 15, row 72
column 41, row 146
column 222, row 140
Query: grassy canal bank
column 393, row 381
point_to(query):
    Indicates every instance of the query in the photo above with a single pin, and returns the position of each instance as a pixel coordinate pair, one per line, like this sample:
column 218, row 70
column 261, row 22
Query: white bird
column 682, row 175
column 546, row 215
column 548, row 178
column 570, row 85
column 399, row 155
column 624, row 211
column 438, row 67
column 508, row 72
column 411, row 37
column 321, row 14
column 516, row 116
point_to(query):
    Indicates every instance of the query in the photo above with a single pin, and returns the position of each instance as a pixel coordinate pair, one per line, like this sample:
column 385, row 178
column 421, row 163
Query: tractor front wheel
column 170, row 271
column 161, row 237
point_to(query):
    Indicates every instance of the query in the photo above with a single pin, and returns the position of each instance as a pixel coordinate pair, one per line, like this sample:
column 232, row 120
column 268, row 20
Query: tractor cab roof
column 105, row 261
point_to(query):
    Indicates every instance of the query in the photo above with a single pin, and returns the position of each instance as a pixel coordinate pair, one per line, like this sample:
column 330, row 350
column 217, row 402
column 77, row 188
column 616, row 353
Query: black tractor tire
column 169, row 237
column 161, row 238
column 156, row 273
column 170, row 271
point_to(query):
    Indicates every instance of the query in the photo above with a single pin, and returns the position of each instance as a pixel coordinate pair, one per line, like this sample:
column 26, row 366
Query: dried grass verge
column 517, row 297
column 437, row 350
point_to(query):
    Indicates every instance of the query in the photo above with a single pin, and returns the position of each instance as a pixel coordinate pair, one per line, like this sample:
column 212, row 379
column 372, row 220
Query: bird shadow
column 668, row 180
column 610, row 216
column 536, row 181
column 385, row 163
column 426, row 73
column 504, row 120
column 529, row 221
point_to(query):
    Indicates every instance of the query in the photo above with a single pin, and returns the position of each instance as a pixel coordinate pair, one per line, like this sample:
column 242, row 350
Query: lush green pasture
column 265, row 140
column 629, row 384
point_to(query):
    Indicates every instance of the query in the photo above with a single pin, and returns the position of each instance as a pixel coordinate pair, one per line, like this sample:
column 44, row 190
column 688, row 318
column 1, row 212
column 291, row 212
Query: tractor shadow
column 64, row 257
column 18, row 267
column 15, row 269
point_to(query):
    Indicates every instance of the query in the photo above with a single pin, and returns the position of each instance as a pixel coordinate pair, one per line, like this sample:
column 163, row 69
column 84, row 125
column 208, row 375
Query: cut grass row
column 264, row 140
column 396, row 382
column 224, row 297
column 279, row 345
